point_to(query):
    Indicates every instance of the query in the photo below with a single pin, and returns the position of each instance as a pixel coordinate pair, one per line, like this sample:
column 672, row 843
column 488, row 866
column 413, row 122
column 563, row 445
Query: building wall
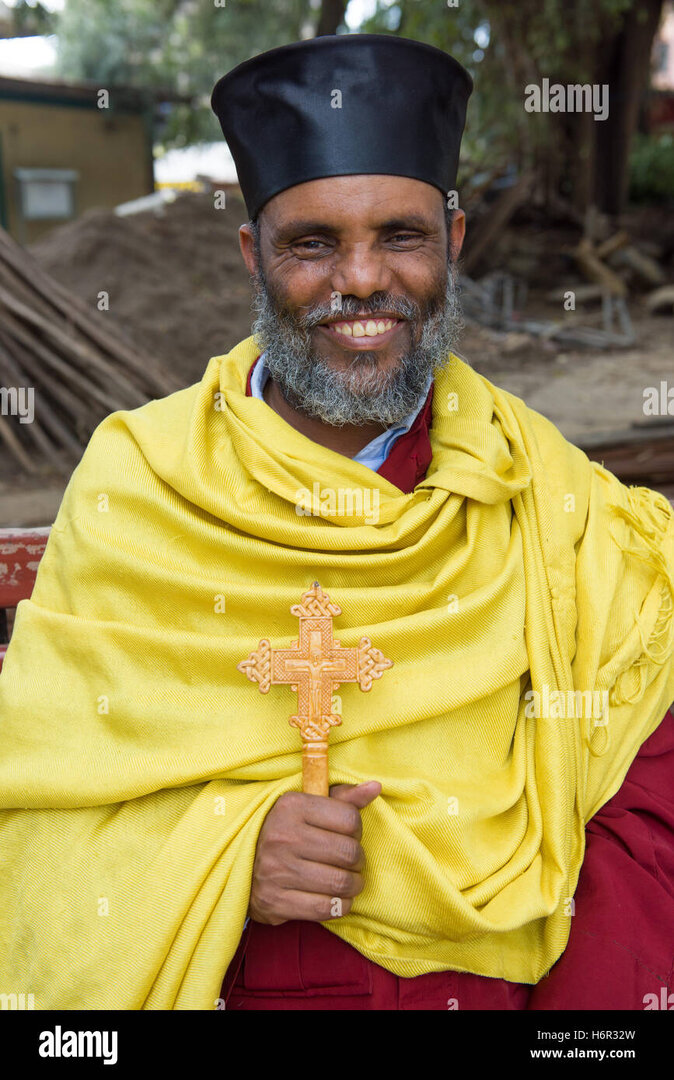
column 111, row 151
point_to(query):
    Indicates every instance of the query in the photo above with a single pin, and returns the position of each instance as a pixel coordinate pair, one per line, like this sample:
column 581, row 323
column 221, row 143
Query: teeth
column 370, row 329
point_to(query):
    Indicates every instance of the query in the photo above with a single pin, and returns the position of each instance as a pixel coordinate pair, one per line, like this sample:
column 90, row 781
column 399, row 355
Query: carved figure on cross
column 314, row 666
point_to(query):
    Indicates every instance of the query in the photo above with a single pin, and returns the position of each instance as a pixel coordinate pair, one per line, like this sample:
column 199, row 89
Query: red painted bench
column 20, row 554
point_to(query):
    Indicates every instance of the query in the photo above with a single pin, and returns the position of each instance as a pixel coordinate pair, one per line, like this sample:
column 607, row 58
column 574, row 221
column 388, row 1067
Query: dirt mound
column 176, row 282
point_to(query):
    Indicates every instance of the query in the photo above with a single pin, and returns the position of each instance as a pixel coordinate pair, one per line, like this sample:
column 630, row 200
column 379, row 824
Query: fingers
column 331, row 814
column 309, row 858
column 340, row 812
column 360, row 795
column 333, row 849
column 314, row 907
column 315, row 877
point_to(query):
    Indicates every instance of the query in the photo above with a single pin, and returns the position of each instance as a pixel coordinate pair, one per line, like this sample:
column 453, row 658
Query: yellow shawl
column 138, row 765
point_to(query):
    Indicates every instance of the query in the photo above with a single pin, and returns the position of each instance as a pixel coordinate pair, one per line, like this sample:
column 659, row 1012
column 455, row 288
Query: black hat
column 343, row 104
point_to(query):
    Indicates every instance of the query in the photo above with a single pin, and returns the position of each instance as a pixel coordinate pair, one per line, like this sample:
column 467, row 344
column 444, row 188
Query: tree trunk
column 583, row 160
column 331, row 17
column 624, row 63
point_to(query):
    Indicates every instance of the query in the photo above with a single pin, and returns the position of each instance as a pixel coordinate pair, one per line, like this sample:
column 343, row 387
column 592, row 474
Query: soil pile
column 175, row 279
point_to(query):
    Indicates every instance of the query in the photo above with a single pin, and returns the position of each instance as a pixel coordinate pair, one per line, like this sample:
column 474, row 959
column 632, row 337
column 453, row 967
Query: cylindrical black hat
column 343, row 104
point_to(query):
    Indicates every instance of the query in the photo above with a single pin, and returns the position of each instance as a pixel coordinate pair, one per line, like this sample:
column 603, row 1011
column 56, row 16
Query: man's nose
column 361, row 272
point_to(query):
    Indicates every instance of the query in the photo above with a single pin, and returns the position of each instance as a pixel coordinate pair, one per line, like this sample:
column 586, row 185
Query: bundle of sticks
column 75, row 365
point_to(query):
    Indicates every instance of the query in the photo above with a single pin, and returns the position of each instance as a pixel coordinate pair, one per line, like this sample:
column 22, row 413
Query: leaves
column 183, row 45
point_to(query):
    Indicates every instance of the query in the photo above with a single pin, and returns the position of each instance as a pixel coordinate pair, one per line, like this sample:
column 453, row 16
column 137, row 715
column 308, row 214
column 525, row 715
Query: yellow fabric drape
column 138, row 765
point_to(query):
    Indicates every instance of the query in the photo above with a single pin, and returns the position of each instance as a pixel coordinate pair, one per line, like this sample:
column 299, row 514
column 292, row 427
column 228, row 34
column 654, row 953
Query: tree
column 183, row 45
column 624, row 62
column 26, row 20
column 567, row 41
column 332, row 17
column 595, row 42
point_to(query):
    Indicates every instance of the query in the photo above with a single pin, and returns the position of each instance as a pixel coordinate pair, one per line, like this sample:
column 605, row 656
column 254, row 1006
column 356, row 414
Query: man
column 153, row 803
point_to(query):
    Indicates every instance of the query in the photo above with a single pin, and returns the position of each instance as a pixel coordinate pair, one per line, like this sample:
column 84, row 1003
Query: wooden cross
column 315, row 665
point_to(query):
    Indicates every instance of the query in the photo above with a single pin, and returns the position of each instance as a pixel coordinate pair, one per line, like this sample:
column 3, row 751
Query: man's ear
column 247, row 245
column 457, row 233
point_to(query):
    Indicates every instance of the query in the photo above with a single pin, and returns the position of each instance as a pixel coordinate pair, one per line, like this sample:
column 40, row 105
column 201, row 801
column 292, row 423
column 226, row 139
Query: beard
column 361, row 393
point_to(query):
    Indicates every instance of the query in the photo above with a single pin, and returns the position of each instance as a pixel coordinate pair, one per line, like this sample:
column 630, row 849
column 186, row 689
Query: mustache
column 351, row 306
column 348, row 306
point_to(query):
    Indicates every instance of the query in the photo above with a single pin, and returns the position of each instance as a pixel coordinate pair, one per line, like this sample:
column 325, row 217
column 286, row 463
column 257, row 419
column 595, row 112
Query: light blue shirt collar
column 377, row 450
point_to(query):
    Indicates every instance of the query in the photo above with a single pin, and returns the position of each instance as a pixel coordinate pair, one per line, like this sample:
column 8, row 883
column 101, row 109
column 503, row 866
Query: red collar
column 411, row 454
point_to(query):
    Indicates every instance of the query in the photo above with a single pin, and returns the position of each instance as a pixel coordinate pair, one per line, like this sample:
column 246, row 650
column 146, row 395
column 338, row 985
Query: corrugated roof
column 38, row 89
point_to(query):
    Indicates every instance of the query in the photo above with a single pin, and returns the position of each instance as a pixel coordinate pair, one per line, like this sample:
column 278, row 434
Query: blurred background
column 120, row 270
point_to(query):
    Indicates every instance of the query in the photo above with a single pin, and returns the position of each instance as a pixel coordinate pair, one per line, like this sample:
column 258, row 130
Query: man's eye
column 306, row 245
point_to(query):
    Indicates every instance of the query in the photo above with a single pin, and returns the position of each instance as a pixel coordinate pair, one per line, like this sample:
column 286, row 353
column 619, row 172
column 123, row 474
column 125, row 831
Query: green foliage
column 652, row 169
column 526, row 40
column 465, row 32
column 32, row 18
column 179, row 45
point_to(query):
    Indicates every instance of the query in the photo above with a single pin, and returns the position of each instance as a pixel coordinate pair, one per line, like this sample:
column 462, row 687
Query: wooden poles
column 67, row 360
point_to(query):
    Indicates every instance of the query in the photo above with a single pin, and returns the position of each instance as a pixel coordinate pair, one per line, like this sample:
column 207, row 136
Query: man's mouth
column 363, row 328
column 375, row 330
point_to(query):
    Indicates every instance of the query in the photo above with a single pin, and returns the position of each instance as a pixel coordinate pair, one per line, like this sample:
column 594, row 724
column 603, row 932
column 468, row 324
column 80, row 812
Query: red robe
column 621, row 946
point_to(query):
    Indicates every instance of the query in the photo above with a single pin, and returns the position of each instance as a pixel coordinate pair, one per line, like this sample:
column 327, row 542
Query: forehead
column 361, row 199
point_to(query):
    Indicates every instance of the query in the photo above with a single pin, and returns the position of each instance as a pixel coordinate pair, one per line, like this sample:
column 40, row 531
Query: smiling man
column 355, row 304
column 490, row 836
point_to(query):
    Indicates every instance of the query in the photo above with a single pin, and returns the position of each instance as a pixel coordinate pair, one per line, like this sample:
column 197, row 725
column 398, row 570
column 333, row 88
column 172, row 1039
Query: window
column 46, row 193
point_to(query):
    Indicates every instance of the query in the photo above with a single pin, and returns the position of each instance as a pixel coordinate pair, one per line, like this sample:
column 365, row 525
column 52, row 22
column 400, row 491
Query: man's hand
column 308, row 854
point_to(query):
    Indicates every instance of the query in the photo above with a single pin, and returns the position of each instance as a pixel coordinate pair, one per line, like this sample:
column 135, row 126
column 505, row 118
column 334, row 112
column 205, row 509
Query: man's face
column 337, row 258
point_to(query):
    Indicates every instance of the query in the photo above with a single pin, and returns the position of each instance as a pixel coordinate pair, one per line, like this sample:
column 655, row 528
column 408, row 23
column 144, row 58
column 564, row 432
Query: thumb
column 359, row 795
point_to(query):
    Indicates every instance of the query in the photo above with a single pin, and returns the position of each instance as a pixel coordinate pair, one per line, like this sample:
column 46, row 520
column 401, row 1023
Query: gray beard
column 361, row 393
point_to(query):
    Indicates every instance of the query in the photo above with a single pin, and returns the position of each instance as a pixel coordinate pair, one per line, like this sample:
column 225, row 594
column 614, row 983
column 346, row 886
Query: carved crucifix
column 315, row 665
